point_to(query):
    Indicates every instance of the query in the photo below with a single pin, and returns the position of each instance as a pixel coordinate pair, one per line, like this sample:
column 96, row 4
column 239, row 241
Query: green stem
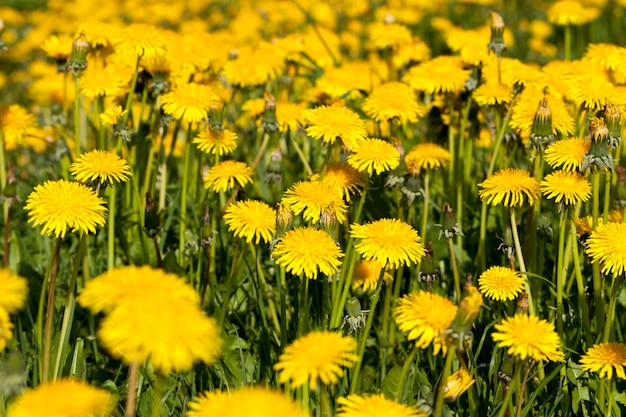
column 560, row 272
column 131, row 92
column 131, row 396
column 582, row 298
column 304, row 306
column 405, row 371
column 183, row 199
column 282, row 289
column 568, row 42
column 441, row 387
column 111, row 227
column 607, row 198
column 77, row 114
column 356, row 369
column 608, row 327
column 520, row 260
column 455, row 270
column 264, row 289
column 303, row 158
column 509, row 391
column 68, row 314
column 426, row 203
column 326, row 409
column 47, row 341
column 598, row 298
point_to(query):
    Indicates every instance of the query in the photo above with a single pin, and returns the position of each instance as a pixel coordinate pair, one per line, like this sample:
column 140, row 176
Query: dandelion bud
column 497, row 35
column 507, row 243
column 468, row 310
column 216, row 116
column 269, row 122
column 598, row 157
column 522, row 304
column 353, row 307
column 152, row 222
column 473, row 81
column 612, row 117
column 207, row 233
column 78, row 58
column 457, row 384
column 328, row 220
column 284, row 216
column 541, row 135
column 412, row 188
column 450, row 227
column 10, row 190
column 274, row 172
column 428, row 269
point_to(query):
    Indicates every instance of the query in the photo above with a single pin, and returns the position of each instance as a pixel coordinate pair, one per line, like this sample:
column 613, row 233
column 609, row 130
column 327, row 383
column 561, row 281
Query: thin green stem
column 77, row 114
column 520, row 260
column 568, row 42
column 131, row 91
column 426, row 204
column 610, row 314
column 68, row 313
column 111, row 227
column 607, row 198
column 405, row 371
column 598, row 298
column 356, row 369
column 582, row 298
column 510, row 389
column 455, row 269
column 131, row 395
column 441, row 386
column 47, row 341
column 183, row 199
column 560, row 272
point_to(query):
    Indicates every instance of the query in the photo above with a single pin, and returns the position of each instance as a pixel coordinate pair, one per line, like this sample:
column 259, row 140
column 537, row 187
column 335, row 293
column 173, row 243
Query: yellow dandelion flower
column 171, row 333
column 605, row 358
column 246, row 401
column 366, row 274
column 99, row 34
column 529, row 337
column 329, row 123
column 347, row 80
column 393, row 100
column 140, row 39
column 254, row 106
column 607, row 55
column 58, row 205
column 376, row 405
column 525, row 108
column 226, row 175
column 374, row 156
column 590, row 90
column 112, row 115
column 390, row 242
column 500, row 283
column 426, row 156
column 425, row 316
column 100, row 82
column 251, row 219
column 255, row 66
column 342, row 177
column 492, row 93
column 6, row 329
column 457, row 384
column 316, row 357
column 388, row 35
column 58, row 47
column 567, row 154
column 63, row 398
column 509, row 186
column 288, row 115
column 566, row 187
column 511, row 72
column 443, row 74
column 216, row 143
column 190, row 102
column 571, row 12
column 414, row 51
column 307, row 251
column 607, row 245
column 16, row 123
column 100, row 167
column 14, row 290
column 123, row 285
column 313, row 198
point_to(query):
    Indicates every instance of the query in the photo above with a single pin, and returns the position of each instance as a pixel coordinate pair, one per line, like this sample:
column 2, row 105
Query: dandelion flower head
column 58, row 47
column 308, row 251
column 393, row 100
column 60, row 204
column 376, row 405
column 566, row 187
column 366, row 274
column 500, row 283
column 426, row 156
column 316, row 356
column 388, row 35
column 605, row 358
column 252, row 220
column 140, row 39
column 112, row 115
column 313, row 199
column 607, row 245
column 64, row 397
column 246, row 401
column 458, row 382
column 571, row 12
column 14, row 291
column 374, row 156
column 529, row 337
column 6, row 329
column 226, row 175
column 567, row 154
column 510, row 186
column 100, row 166
column 16, row 123
column 443, row 74
column 329, row 123
column 390, row 242
column 190, row 102
column 425, row 316
column 342, row 177
column 216, row 143
column 492, row 93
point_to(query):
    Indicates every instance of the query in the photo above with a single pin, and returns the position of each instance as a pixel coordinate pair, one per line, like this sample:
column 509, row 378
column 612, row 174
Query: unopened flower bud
column 541, row 135
column 152, row 222
column 269, row 122
column 507, row 245
column 450, row 227
column 274, row 172
column 216, row 116
column 496, row 44
column 428, row 269
column 207, row 232
column 78, row 58
column 598, row 157
column 612, row 117
column 284, row 217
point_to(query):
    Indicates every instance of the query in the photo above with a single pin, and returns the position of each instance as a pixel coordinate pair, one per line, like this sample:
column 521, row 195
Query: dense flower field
column 312, row 208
